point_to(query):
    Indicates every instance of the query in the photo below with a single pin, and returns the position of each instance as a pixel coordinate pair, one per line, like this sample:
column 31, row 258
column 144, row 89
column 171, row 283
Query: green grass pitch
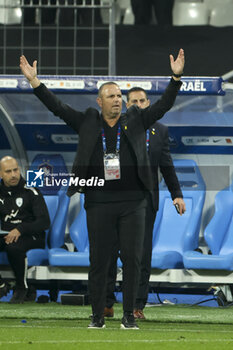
column 55, row 326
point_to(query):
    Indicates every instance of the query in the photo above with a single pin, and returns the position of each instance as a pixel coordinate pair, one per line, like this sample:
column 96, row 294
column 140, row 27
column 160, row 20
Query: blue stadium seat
column 58, row 205
column 174, row 234
column 218, row 236
column 79, row 236
column 3, row 259
column 57, row 202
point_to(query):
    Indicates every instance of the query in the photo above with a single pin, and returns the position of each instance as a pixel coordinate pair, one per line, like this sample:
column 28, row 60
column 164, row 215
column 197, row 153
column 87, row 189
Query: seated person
column 24, row 217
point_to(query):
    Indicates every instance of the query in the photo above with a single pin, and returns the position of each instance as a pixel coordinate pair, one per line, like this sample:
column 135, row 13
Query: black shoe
column 128, row 322
column 97, row 323
column 4, row 289
column 19, row 296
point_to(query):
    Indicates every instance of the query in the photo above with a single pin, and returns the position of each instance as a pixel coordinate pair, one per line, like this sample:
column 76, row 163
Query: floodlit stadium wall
column 200, row 128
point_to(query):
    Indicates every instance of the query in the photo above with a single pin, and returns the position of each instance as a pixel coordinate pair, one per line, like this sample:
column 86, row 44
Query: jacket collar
column 14, row 189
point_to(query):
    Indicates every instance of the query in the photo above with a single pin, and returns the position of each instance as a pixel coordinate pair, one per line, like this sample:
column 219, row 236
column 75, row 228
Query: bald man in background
column 24, row 219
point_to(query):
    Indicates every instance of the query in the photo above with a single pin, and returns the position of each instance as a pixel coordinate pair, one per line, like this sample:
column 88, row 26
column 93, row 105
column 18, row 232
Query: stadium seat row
column 208, row 12
column 175, row 237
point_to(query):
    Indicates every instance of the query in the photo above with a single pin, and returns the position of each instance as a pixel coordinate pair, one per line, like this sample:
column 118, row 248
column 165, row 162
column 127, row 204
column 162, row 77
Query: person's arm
column 70, row 116
column 168, row 171
column 41, row 220
column 160, row 107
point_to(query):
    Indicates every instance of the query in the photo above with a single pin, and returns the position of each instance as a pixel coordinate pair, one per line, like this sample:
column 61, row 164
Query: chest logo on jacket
column 12, row 215
column 2, row 201
column 19, row 201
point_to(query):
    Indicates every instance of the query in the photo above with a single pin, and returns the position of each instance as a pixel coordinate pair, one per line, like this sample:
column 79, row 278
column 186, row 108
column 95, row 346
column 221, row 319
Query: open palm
column 177, row 65
column 29, row 71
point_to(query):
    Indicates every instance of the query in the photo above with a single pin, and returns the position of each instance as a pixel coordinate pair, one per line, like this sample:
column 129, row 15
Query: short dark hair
column 104, row 84
column 135, row 88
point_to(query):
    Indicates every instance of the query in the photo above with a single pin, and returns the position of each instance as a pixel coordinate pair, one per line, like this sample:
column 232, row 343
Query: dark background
column 140, row 50
column 144, row 50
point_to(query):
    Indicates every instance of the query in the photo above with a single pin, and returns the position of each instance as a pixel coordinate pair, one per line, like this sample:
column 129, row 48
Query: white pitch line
column 116, row 341
column 117, row 329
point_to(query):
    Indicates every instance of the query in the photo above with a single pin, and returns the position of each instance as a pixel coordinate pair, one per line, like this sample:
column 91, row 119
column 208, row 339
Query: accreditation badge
column 112, row 169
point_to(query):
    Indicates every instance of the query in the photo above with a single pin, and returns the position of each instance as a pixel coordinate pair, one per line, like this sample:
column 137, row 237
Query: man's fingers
column 181, row 55
column 24, row 62
column 171, row 59
column 23, row 59
column 181, row 52
column 11, row 239
column 183, row 209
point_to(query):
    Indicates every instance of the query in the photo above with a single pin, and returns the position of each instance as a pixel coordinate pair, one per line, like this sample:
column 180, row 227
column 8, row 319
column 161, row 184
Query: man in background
column 24, row 219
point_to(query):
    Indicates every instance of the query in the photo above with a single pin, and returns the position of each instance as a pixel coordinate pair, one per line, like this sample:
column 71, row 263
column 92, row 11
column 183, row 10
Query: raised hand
column 30, row 72
column 177, row 65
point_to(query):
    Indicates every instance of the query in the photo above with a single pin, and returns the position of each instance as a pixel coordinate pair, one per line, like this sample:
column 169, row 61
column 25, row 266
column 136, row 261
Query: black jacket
column 23, row 208
column 160, row 157
column 88, row 125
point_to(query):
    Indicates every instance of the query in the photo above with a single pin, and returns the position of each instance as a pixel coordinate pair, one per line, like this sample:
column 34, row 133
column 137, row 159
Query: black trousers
column 47, row 15
column 84, row 15
column 109, row 223
column 145, row 267
column 143, row 287
column 111, row 279
column 163, row 11
column 142, row 10
column 16, row 253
